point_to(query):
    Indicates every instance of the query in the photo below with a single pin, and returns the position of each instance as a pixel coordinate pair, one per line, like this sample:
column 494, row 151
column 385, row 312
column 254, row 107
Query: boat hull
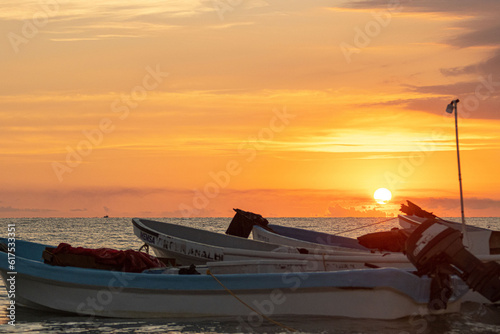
column 373, row 293
column 322, row 244
column 372, row 303
column 195, row 252
column 186, row 251
column 298, row 237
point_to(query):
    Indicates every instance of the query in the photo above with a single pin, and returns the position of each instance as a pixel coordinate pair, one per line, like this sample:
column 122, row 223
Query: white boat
column 479, row 241
column 437, row 250
column 188, row 245
column 381, row 242
column 370, row 293
column 301, row 238
column 297, row 237
column 395, row 239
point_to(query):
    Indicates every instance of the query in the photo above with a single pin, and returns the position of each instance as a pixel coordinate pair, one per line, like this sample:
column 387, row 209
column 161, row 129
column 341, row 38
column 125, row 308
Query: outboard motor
column 243, row 222
column 435, row 248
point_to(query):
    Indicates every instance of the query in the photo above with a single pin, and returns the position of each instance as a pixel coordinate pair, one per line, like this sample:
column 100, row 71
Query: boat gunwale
column 37, row 270
column 253, row 245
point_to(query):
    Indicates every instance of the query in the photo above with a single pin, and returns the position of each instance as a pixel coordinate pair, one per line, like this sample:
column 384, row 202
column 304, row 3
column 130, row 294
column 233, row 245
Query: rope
column 146, row 247
column 250, row 307
column 357, row 228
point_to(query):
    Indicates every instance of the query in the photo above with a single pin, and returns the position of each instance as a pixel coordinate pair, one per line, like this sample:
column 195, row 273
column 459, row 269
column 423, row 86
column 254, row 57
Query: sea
column 118, row 233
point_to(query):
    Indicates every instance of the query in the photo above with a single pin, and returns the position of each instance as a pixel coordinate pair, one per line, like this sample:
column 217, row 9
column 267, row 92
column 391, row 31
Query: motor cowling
column 243, row 221
column 434, row 248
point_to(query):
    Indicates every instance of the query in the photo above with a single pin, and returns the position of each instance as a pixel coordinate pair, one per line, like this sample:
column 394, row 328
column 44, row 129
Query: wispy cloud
column 471, row 25
column 66, row 10
column 79, row 21
column 339, row 211
column 105, row 30
column 10, row 209
column 450, row 207
column 229, row 25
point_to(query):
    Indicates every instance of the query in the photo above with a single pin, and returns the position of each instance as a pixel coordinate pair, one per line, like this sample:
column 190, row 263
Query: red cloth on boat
column 128, row 260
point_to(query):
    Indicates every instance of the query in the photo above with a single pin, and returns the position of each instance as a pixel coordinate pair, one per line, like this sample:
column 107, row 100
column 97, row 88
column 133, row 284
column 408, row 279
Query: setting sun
column 382, row 195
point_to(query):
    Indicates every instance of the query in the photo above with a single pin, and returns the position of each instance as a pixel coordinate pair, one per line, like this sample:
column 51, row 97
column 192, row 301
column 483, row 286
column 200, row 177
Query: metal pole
column 460, row 173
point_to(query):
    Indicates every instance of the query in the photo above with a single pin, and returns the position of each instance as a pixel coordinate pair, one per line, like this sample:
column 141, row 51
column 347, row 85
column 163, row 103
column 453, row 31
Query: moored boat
column 297, row 237
column 386, row 293
column 479, row 241
column 188, row 245
column 245, row 222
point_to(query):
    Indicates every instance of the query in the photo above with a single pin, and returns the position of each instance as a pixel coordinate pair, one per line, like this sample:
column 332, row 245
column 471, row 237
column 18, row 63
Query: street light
column 449, row 109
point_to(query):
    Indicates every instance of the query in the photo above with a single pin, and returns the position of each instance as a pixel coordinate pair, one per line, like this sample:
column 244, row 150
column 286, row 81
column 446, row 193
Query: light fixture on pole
column 449, row 109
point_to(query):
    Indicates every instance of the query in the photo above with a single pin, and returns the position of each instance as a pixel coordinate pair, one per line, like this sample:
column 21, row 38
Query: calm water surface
column 117, row 233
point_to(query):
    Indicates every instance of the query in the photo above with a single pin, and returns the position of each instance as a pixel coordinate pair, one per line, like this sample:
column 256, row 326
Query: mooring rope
column 250, row 307
column 146, row 247
column 357, row 228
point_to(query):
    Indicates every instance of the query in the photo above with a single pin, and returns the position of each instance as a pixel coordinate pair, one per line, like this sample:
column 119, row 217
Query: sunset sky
column 283, row 108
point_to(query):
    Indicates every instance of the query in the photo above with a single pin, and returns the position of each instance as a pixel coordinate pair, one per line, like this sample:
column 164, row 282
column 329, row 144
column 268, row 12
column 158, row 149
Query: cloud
column 486, row 67
column 66, row 10
column 464, row 7
column 470, row 107
column 476, row 26
column 30, row 210
column 195, row 213
column 450, row 207
column 480, row 22
column 339, row 211
column 453, row 203
column 82, row 21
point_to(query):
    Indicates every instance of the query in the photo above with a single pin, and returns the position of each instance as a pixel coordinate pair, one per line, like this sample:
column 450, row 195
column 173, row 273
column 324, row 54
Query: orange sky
column 284, row 108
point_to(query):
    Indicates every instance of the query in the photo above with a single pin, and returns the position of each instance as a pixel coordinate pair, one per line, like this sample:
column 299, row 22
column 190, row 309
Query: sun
column 382, row 195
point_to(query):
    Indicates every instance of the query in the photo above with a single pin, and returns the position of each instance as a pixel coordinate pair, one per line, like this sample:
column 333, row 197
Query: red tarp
column 128, row 260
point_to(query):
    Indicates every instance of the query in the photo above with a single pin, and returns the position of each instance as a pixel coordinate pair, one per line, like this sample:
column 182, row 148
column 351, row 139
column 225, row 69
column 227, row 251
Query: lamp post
column 449, row 109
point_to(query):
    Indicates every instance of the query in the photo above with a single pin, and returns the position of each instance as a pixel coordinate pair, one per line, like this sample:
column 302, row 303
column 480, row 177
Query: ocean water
column 117, row 233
